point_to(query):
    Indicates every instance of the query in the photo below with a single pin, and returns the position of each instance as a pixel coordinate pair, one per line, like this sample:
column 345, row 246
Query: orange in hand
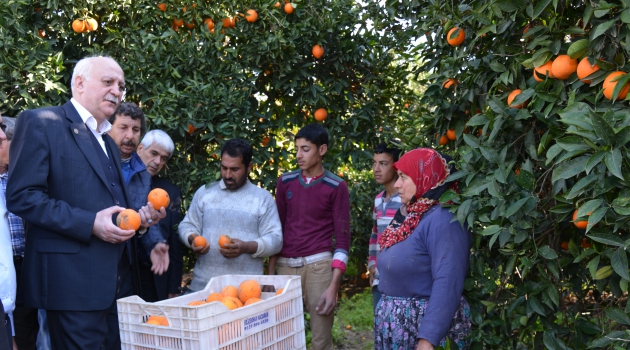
column 223, row 240
column 199, row 242
column 159, row 198
column 128, row 219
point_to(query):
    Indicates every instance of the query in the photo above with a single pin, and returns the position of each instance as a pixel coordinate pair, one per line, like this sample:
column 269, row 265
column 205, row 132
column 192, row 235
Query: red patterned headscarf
column 428, row 170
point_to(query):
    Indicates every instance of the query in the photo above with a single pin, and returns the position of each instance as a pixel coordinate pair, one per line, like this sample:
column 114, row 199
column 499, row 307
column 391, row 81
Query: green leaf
column 526, row 180
column 577, row 188
column 515, row 207
column 606, row 238
column 572, row 143
column 602, row 28
column 613, row 160
column 603, row 272
column 596, row 217
column 497, row 67
column 625, row 16
column 536, row 306
column 490, row 230
column 479, row 119
column 617, row 315
column 603, row 129
column 549, row 339
column 547, row 253
column 594, row 160
column 471, row 141
column 510, row 5
column 589, row 207
column 569, row 168
column 539, row 8
column 578, row 48
column 619, row 261
column 489, row 153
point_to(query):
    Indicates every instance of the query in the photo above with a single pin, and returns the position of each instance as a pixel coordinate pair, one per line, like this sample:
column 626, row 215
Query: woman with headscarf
column 423, row 261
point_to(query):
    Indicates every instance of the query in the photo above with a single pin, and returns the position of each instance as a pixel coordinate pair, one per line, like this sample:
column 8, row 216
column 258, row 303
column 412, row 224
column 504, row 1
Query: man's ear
column 249, row 167
column 323, row 149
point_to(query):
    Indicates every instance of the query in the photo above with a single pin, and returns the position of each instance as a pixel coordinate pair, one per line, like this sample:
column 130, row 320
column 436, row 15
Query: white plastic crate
column 276, row 323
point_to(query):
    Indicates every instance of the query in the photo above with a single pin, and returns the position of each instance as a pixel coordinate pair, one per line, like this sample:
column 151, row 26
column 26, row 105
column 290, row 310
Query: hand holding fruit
column 198, row 244
column 237, row 247
column 105, row 229
column 149, row 216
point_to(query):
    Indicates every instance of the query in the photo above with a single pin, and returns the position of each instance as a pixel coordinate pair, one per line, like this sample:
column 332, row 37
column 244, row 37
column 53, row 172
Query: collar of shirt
column 307, row 181
column 89, row 120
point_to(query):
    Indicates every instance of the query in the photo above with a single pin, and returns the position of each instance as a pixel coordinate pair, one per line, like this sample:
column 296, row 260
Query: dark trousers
column 24, row 318
column 147, row 284
column 78, row 330
column 5, row 332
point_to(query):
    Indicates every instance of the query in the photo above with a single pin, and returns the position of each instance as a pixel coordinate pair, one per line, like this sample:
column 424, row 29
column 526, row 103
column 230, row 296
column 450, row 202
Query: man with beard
column 128, row 124
column 235, row 207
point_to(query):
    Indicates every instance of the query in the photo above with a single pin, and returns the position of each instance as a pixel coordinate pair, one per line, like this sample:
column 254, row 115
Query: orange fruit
column 511, row 98
column 450, row 134
column 277, row 4
column 128, row 219
column 154, row 322
column 223, row 240
column 41, row 33
column 162, row 7
column 443, row 140
column 317, row 51
column 199, row 241
column 251, row 16
column 288, row 8
column 585, row 243
column 581, row 224
column 229, row 291
column 563, row 66
column 279, row 291
column 158, row 198
column 196, row 303
column 252, row 301
column 191, row 128
column 348, row 327
column 177, row 22
column 228, row 22
column 214, row 297
column 236, row 300
column 91, row 24
column 190, row 25
column 584, row 69
column 248, row 289
column 320, row 114
column 564, row 245
column 541, row 71
column 457, row 40
column 448, row 83
column 229, row 303
column 265, row 141
column 157, row 320
column 209, row 23
column 609, row 86
column 78, row 25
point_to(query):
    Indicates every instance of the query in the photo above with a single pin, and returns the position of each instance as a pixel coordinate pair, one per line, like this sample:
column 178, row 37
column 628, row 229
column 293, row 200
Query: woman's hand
column 423, row 344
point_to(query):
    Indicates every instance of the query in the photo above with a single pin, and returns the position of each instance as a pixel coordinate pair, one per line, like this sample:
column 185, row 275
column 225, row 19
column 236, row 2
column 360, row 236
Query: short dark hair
column 238, row 147
column 132, row 111
column 384, row 147
column 314, row 133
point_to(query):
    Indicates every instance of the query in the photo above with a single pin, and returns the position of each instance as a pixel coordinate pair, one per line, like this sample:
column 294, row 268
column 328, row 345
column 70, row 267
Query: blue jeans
column 376, row 296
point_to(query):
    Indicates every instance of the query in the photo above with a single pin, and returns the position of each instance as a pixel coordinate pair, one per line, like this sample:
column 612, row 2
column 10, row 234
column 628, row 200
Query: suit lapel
column 81, row 134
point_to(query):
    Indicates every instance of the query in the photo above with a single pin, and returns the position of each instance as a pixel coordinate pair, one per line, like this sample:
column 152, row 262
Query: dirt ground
column 356, row 340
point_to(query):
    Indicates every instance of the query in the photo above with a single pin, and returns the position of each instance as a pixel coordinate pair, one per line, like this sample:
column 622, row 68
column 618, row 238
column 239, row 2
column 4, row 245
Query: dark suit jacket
column 170, row 281
column 57, row 184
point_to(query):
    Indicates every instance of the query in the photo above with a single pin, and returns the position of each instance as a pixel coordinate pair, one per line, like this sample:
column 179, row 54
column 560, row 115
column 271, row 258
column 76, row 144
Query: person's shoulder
column 379, row 195
column 333, row 180
column 164, row 184
column 290, row 176
column 45, row 114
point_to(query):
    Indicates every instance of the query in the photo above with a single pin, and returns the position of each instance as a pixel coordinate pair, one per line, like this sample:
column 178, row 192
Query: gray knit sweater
column 249, row 214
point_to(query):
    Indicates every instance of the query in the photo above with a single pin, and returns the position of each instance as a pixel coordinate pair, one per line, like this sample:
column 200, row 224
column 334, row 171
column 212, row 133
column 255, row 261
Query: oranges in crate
column 248, row 289
column 157, row 320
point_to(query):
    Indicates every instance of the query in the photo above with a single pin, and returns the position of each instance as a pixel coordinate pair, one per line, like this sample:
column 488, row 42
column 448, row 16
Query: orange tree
column 203, row 80
column 540, row 276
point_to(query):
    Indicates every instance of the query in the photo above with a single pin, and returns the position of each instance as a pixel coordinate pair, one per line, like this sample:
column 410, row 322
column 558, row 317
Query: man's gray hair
column 10, row 129
column 160, row 138
column 84, row 68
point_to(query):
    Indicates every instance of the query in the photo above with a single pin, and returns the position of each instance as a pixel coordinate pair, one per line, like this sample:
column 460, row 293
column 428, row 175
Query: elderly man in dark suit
column 65, row 181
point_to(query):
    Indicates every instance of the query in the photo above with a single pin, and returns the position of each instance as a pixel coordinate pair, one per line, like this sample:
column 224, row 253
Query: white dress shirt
column 90, row 121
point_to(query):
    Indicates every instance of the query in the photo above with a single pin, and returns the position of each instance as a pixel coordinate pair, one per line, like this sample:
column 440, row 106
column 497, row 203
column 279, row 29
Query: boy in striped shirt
column 386, row 204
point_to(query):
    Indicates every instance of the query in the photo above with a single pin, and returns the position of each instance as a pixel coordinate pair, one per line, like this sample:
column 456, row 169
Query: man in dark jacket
column 155, row 150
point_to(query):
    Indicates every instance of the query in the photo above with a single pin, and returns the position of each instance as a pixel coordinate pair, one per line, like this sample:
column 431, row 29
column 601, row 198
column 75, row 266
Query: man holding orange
column 65, row 180
column 237, row 208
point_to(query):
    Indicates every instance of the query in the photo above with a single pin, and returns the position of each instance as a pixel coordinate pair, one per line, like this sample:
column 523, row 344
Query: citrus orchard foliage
column 537, row 280
column 205, row 71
